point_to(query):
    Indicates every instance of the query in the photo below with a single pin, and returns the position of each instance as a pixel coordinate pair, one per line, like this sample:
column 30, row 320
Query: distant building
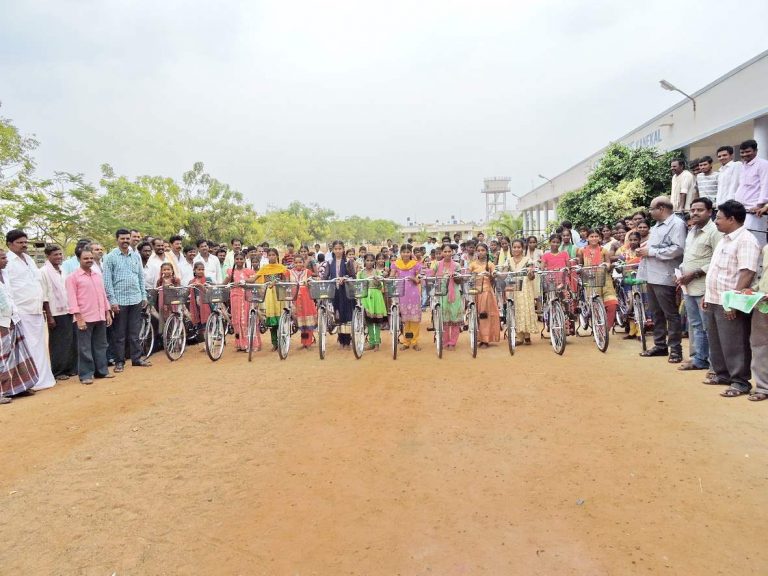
column 437, row 230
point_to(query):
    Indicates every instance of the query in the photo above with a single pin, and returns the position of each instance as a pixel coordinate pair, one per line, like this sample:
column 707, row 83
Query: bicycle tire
column 584, row 317
column 599, row 324
column 511, row 328
column 174, row 337
column 640, row 319
column 437, row 323
column 557, row 329
column 473, row 329
column 146, row 335
column 358, row 332
column 322, row 326
column 621, row 308
column 394, row 328
column 214, row 336
column 331, row 319
column 253, row 320
column 284, row 335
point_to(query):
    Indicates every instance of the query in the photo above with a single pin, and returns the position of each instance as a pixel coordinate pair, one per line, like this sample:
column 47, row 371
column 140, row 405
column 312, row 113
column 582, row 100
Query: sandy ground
column 538, row 464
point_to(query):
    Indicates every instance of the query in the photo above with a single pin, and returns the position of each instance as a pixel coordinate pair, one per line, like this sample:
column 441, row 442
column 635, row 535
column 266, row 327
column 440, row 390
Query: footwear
column 689, row 365
column 5, row 400
column 416, row 347
column 527, row 340
column 629, row 337
column 675, row 357
column 62, row 377
column 404, row 347
column 86, row 381
column 119, row 367
column 757, row 396
column 142, row 363
column 732, row 393
column 713, row 381
column 655, row 351
column 107, row 375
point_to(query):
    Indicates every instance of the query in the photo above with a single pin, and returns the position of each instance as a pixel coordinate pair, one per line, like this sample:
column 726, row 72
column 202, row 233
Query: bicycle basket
column 286, row 291
column 510, row 281
column 470, row 284
column 552, row 280
column 394, row 287
column 173, row 295
column 438, row 285
column 255, row 292
column 152, row 297
column 593, row 277
column 322, row 289
column 356, row 288
column 215, row 294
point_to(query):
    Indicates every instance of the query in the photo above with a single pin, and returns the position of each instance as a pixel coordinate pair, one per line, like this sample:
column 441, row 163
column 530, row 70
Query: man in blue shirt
column 127, row 295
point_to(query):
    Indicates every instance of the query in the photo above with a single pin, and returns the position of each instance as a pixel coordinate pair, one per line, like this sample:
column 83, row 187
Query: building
column 438, row 230
column 495, row 191
column 728, row 111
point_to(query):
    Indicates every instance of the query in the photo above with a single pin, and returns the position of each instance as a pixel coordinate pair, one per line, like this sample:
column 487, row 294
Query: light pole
column 672, row 88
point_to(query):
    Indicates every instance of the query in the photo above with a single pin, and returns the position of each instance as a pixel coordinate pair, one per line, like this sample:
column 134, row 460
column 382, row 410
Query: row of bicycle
column 565, row 306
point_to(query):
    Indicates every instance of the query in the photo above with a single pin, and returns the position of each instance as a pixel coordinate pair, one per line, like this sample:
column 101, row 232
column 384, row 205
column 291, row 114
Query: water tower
column 495, row 190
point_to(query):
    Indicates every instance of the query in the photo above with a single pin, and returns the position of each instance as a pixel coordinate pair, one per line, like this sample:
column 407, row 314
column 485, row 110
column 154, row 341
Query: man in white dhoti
column 27, row 290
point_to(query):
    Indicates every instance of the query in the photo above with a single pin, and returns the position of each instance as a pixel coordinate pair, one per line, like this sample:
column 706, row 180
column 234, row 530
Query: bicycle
column 254, row 294
column 357, row 289
column 174, row 330
column 553, row 282
column 393, row 289
column 507, row 285
column 471, row 290
column 323, row 292
column 285, row 292
column 436, row 287
column 146, row 330
column 215, row 329
column 638, row 291
column 591, row 304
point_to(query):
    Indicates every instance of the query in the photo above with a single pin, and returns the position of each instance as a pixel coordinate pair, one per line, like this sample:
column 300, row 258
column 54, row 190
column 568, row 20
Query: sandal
column 655, row 351
column 416, row 347
column 527, row 340
column 675, row 358
column 689, row 365
column 404, row 347
column 757, row 396
column 713, row 381
column 732, row 393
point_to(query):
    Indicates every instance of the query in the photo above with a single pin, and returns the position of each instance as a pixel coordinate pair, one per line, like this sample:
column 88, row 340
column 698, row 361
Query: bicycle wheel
column 584, row 316
column 214, row 336
column 621, row 308
column 146, row 335
column 358, row 332
column 174, row 337
column 322, row 326
column 330, row 318
column 599, row 324
column 557, row 329
column 437, row 322
column 394, row 328
column 253, row 321
column 640, row 318
column 472, row 320
column 284, row 335
column 511, row 329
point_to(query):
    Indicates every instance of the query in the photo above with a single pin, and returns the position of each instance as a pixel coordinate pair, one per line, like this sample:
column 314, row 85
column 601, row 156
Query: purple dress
column 410, row 301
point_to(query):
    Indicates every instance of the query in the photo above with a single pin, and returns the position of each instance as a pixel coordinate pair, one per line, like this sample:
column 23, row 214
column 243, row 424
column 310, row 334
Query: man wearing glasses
column 660, row 256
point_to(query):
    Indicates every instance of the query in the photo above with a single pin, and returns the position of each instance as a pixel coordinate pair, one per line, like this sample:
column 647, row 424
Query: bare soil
column 590, row 463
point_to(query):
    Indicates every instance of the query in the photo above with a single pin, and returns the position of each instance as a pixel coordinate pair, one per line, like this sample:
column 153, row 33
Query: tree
column 619, row 163
column 17, row 167
column 507, row 223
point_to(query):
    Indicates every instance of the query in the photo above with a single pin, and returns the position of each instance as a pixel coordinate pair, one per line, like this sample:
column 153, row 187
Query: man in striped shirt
column 127, row 295
column 733, row 266
column 706, row 179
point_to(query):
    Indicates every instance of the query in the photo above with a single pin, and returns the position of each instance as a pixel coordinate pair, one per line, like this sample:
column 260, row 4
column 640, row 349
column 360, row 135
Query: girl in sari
column 373, row 304
column 198, row 310
column 306, row 310
column 410, row 302
column 272, row 272
column 504, row 252
column 489, row 322
column 239, row 275
column 452, row 304
column 594, row 255
column 568, row 246
column 525, row 299
column 340, row 268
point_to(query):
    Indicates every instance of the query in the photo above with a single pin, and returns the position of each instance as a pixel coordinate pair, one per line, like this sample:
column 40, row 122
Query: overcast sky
column 389, row 109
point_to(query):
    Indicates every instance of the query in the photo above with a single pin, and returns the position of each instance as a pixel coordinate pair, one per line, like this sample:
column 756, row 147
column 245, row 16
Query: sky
column 393, row 109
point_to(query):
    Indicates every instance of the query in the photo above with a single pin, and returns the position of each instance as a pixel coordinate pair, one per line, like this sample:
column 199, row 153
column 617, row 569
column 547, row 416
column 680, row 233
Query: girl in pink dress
column 239, row 275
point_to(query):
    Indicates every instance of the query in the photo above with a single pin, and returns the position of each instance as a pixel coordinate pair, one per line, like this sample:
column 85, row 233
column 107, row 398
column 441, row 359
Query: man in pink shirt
column 91, row 311
column 753, row 190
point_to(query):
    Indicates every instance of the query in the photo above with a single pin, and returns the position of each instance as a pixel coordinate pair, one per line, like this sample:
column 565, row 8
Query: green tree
column 509, row 224
column 17, row 167
column 619, row 163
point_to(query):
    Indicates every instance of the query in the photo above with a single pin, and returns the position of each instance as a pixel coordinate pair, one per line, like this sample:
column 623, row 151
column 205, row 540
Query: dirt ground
column 586, row 464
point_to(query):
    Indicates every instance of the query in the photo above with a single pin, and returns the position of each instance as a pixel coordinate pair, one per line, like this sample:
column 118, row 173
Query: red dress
column 305, row 309
column 240, row 308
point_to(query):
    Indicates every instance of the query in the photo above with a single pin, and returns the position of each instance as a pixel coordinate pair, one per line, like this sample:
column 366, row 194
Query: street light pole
column 672, row 88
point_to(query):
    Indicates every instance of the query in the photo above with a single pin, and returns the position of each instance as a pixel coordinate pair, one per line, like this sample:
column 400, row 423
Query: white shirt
column 25, row 284
column 8, row 309
column 683, row 183
column 728, row 181
column 186, row 271
column 212, row 267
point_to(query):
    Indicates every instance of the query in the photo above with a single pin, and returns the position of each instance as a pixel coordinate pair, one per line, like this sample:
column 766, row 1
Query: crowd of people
column 698, row 252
